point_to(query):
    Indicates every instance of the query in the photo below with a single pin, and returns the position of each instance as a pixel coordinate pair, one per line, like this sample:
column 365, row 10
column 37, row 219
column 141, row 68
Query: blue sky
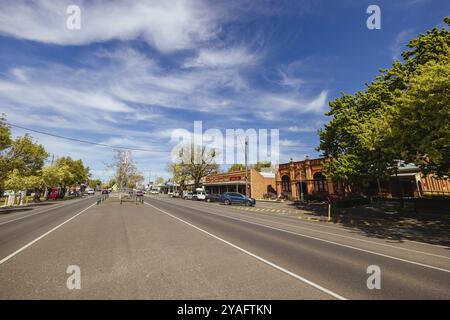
column 135, row 71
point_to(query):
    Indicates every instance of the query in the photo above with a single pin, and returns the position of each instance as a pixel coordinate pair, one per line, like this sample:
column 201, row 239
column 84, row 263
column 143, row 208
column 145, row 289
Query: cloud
column 400, row 42
column 293, row 103
column 124, row 93
column 38, row 95
column 19, row 74
column 166, row 25
column 306, row 127
column 225, row 58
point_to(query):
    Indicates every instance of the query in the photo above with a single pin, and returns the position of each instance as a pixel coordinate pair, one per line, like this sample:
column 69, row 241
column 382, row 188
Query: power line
column 83, row 141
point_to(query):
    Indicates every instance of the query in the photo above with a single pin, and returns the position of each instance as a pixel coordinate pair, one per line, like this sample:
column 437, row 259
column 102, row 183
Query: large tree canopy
column 22, row 164
column 403, row 114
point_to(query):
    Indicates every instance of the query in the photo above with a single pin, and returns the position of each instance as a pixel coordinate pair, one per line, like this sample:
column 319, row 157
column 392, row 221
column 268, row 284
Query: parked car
column 90, row 192
column 188, row 196
column 199, row 195
column 176, row 194
column 139, row 193
column 213, row 197
column 105, row 191
column 234, row 197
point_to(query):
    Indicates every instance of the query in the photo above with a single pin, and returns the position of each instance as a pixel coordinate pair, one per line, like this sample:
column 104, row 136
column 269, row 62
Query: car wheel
column 208, row 200
column 227, row 202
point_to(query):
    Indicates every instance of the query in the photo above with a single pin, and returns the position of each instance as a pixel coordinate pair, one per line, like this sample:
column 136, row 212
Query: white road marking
column 344, row 236
column 42, row 236
column 25, row 215
column 30, row 215
column 339, row 235
column 296, row 276
column 338, row 244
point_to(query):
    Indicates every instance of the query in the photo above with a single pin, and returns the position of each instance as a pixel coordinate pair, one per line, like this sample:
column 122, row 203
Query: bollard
column 98, row 201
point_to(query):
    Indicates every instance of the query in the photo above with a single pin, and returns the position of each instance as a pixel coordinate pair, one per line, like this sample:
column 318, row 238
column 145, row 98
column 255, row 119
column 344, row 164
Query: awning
column 406, row 174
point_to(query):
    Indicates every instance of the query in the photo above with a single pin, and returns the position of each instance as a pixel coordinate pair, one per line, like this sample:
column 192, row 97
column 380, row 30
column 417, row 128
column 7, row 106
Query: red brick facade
column 295, row 178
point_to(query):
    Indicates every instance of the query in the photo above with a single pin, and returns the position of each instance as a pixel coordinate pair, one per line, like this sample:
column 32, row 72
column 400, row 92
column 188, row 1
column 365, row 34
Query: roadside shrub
column 270, row 196
column 316, row 197
column 352, row 202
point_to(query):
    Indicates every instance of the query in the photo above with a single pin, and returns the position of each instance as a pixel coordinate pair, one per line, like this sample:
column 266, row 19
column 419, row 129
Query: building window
column 320, row 183
column 285, row 184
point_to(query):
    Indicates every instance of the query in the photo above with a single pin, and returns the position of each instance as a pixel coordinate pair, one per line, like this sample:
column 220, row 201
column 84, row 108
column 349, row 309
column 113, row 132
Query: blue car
column 234, row 197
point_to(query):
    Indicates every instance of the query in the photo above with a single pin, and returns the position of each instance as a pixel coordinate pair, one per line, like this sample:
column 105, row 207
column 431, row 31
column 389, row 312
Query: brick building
column 260, row 183
column 295, row 178
column 307, row 177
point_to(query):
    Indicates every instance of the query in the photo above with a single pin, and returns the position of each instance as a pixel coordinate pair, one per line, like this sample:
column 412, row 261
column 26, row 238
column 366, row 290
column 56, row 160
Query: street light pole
column 246, row 166
column 301, row 185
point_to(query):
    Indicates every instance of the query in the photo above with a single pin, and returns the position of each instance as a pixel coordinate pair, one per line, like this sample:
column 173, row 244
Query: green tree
column 421, row 130
column 74, row 171
column 26, row 155
column 261, row 164
column 198, row 162
column 94, row 183
column 14, row 181
column 179, row 174
column 369, row 131
column 159, row 180
column 5, row 143
column 21, row 162
column 236, row 167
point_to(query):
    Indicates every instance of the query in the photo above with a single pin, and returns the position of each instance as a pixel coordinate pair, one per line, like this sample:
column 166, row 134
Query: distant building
column 260, row 183
column 307, row 177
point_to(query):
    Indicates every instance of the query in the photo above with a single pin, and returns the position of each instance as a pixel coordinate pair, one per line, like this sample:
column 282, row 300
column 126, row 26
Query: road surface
column 176, row 249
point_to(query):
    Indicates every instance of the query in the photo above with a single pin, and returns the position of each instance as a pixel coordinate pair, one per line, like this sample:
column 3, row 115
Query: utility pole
column 301, row 185
column 246, row 166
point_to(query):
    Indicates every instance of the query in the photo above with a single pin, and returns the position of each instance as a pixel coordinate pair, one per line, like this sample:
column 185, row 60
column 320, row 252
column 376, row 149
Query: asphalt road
column 176, row 249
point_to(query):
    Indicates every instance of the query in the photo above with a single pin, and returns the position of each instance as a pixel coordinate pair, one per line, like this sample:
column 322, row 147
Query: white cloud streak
column 166, row 25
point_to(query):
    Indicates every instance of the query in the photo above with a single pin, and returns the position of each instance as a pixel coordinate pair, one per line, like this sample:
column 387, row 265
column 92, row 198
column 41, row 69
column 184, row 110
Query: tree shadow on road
column 396, row 225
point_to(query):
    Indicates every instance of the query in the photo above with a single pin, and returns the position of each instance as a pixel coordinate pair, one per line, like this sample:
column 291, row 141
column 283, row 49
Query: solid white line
column 239, row 213
column 43, row 210
column 338, row 244
column 42, row 236
column 339, row 235
column 315, row 224
column 30, row 215
column 296, row 276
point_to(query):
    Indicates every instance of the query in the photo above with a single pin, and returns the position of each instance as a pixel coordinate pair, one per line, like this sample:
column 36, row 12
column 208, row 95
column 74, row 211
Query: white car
column 90, row 192
column 199, row 195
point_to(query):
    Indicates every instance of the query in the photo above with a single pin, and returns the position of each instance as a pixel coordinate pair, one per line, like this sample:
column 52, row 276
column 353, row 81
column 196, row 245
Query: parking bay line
column 339, row 244
column 42, row 236
column 31, row 215
column 331, row 233
column 296, row 276
column 339, row 235
column 349, row 228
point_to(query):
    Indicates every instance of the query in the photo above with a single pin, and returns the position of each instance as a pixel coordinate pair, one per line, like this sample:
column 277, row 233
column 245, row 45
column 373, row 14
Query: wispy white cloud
column 126, row 94
column 400, row 42
column 19, row 74
column 166, row 25
column 293, row 103
column 225, row 58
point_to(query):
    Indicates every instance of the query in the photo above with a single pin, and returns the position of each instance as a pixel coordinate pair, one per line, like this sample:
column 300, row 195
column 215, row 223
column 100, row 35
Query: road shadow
column 6, row 210
column 387, row 222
